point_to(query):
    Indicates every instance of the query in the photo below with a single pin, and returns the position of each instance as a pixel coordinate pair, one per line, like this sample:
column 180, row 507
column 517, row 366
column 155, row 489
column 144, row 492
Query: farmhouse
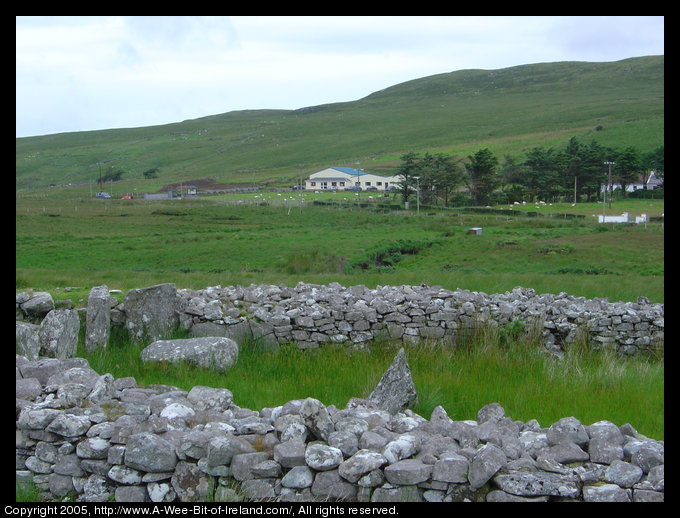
column 650, row 182
column 350, row 179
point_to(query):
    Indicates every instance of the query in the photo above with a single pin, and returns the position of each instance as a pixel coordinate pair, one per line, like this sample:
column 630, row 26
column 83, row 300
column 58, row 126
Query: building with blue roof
column 350, row 179
column 350, row 170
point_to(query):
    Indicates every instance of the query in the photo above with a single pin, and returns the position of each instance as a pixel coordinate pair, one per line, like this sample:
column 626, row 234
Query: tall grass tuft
column 504, row 364
column 27, row 491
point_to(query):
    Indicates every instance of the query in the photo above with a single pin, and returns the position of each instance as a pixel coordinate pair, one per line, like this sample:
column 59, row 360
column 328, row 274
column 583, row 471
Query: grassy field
column 492, row 366
column 79, row 242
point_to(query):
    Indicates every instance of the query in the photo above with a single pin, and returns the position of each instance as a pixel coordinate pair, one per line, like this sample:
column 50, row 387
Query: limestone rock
column 567, row 430
column 208, row 398
column 210, row 352
column 222, row 449
column 329, row 485
column 606, row 493
column 538, row 484
column 27, row 340
column 395, row 390
column 69, row 425
column 408, row 472
column 189, row 483
column 38, row 305
column 322, row 457
column 361, row 463
column 485, row 464
column 58, row 334
column 290, row 453
column 152, row 313
column 299, row 477
column 317, row 418
column 148, row 452
column 98, row 319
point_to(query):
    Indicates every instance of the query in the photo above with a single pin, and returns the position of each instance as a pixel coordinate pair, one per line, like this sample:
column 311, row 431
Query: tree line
column 575, row 172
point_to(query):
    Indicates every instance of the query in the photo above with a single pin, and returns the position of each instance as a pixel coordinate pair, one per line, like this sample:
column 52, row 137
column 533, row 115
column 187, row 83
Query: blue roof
column 350, row 170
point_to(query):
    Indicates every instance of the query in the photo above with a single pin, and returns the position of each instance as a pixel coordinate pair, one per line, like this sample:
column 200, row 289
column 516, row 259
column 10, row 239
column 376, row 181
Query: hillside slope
column 509, row 110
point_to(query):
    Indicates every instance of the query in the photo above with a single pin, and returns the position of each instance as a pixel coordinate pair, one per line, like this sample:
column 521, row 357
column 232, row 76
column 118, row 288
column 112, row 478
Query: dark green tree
column 113, row 176
column 513, row 172
column 440, row 176
column 408, row 169
column 483, row 176
column 653, row 161
column 543, row 175
column 629, row 167
column 585, row 162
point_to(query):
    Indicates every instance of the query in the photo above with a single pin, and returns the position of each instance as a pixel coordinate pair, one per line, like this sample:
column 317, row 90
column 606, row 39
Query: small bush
column 588, row 270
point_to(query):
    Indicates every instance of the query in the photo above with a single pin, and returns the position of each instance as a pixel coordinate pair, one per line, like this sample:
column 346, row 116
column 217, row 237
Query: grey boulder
column 395, row 390
column 148, row 452
column 210, row 352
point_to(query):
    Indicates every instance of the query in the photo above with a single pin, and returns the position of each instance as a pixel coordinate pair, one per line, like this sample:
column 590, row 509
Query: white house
column 348, row 178
column 652, row 183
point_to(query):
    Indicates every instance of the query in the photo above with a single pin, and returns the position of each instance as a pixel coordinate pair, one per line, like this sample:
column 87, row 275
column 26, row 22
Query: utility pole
column 609, row 181
column 418, row 194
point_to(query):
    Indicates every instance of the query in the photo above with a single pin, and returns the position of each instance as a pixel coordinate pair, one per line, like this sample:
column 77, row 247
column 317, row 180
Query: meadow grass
column 128, row 244
column 27, row 491
column 504, row 365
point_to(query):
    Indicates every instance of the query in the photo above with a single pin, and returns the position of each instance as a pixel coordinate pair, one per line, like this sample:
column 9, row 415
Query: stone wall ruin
column 311, row 315
column 92, row 438
column 85, row 435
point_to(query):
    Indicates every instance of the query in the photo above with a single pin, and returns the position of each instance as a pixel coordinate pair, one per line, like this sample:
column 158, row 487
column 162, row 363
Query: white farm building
column 349, row 179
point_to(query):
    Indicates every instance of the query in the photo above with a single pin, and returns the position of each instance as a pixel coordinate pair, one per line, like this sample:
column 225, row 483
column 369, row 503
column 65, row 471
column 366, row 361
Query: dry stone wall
column 85, row 435
column 89, row 437
column 312, row 315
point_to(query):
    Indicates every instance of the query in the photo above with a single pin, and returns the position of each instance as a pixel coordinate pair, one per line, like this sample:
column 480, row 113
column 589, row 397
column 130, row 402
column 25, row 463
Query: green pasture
column 80, row 242
column 493, row 365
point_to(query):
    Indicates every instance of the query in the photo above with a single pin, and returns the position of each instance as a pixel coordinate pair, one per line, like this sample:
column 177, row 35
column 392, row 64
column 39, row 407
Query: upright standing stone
column 58, row 334
column 317, row 418
column 152, row 313
column 98, row 321
column 396, row 390
column 27, row 342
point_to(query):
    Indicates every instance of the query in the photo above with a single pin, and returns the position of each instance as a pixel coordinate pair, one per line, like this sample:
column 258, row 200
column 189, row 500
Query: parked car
column 103, row 195
column 353, row 188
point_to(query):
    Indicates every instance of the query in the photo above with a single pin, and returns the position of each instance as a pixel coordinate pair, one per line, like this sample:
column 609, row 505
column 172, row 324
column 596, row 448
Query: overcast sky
column 87, row 73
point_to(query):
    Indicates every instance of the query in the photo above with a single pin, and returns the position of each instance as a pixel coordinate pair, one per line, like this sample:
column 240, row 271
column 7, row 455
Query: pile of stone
column 91, row 437
column 54, row 335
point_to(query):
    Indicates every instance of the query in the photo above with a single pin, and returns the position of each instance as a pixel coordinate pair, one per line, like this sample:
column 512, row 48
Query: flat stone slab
column 210, row 352
column 539, row 484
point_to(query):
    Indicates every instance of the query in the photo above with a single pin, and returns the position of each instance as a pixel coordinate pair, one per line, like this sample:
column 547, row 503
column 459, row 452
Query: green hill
column 509, row 111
